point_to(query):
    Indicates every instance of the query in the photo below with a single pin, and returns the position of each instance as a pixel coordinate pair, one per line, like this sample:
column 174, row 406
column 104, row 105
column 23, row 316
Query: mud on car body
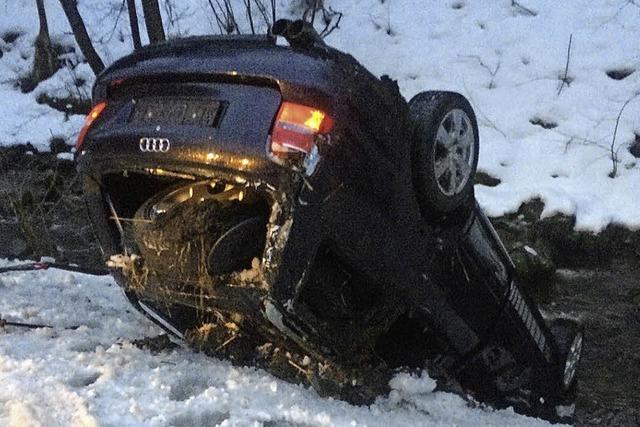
column 289, row 192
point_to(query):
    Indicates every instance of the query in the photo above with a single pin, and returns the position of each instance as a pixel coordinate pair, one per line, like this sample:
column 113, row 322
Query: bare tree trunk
column 133, row 21
column 82, row 37
column 153, row 19
column 42, row 16
column 44, row 60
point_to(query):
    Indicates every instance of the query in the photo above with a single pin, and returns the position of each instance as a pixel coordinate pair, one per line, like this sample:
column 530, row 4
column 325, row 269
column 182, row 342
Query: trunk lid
column 176, row 124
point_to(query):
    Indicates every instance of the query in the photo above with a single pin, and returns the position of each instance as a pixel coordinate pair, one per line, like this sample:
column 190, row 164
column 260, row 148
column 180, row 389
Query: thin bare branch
column 263, row 11
column 492, row 71
column 565, row 78
column 331, row 19
column 247, row 5
column 613, row 152
column 231, row 16
column 522, row 9
column 219, row 20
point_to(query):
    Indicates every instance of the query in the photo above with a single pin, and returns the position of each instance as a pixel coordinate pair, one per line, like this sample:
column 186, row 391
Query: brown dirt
column 607, row 301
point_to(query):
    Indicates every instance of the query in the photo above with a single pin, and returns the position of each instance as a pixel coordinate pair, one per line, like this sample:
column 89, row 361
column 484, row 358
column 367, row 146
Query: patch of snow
column 65, row 156
column 508, row 64
column 565, row 410
column 92, row 374
column 570, row 274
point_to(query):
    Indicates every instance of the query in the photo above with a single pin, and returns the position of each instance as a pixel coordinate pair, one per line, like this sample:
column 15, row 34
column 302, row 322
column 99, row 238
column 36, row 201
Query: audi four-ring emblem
column 154, row 145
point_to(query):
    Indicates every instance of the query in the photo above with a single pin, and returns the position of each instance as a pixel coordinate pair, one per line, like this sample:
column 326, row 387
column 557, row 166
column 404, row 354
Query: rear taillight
column 91, row 117
column 295, row 129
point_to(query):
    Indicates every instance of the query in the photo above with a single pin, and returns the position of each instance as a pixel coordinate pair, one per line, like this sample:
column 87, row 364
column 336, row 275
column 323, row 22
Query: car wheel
column 445, row 150
column 569, row 336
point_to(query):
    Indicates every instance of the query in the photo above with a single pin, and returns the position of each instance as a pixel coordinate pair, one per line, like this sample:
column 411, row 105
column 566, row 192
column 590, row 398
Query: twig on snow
column 565, row 78
column 115, row 25
column 4, row 323
column 331, row 24
column 492, row 72
column 485, row 120
column 38, row 266
column 330, row 18
column 523, row 9
column 612, row 151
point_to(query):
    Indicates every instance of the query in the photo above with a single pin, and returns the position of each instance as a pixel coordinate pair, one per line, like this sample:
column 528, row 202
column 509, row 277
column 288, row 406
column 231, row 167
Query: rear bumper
column 97, row 165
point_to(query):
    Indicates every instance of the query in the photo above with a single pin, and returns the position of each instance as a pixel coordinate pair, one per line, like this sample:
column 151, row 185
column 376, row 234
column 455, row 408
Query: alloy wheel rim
column 573, row 358
column 454, row 152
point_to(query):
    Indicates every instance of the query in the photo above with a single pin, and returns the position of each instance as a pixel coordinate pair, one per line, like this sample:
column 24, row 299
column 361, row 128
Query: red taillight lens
column 91, row 117
column 296, row 127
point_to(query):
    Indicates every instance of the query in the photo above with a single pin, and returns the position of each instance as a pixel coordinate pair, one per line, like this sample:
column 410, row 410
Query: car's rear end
column 194, row 146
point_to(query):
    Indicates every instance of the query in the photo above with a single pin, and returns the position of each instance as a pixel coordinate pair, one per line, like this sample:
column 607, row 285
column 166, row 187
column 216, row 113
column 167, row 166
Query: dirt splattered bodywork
column 321, row 260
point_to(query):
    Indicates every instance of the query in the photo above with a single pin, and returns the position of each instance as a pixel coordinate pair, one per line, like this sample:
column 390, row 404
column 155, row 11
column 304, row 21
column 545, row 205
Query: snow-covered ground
column 508, row 60
column 508, row 64
column 93, row 375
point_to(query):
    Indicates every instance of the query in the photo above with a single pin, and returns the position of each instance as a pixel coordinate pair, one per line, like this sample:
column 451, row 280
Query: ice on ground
column 93, row 375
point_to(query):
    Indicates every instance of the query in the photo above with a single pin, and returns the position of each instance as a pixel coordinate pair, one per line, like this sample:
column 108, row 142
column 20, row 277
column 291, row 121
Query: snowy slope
column 505, row 59
column 93, row 375
column 458, row 45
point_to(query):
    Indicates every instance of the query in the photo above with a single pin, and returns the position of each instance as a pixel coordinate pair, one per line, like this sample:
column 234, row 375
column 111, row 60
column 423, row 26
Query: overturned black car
column 285, row 193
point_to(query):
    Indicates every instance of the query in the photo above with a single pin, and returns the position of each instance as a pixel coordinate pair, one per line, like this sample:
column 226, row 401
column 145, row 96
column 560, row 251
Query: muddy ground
column 607, row 300
column 594, row 278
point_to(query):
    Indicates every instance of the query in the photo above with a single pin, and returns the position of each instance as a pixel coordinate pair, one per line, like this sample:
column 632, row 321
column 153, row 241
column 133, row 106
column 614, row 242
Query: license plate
column 176, row 111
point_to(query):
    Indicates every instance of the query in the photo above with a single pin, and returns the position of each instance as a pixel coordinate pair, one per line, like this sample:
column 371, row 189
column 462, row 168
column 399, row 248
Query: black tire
column 429, row 111
column 565, row 332
column 560, row 405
